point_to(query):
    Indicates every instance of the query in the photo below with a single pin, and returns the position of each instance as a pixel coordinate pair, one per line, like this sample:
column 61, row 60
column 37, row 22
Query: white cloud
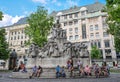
column 9, row 20
column 56, row 2
column 72, row 3
column 40, row 1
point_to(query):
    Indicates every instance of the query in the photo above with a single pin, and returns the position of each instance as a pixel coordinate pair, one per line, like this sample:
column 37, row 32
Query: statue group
column 57, row 50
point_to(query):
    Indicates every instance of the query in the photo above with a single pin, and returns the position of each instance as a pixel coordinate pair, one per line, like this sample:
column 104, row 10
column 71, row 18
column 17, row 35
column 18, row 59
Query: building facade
column 16, row 37
column 82, row 24
column 88, row 24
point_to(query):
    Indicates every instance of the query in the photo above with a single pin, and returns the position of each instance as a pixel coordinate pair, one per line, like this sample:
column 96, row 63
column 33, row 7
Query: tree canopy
column 113, row 20
column 95, row 53
column 4, row 51
column 39, row 26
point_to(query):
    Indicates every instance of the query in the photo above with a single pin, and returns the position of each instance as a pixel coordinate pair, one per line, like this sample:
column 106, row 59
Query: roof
column 21, row 21
column 97, row 6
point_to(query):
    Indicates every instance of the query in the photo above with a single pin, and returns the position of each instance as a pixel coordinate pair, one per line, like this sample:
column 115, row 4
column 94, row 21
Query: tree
column 39, row 26
column 1, row 15
column 4, row 51
column 95, row 53
column 113, row 20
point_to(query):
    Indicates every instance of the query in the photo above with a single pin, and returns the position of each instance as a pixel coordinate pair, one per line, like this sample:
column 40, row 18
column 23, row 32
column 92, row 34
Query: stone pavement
column 114, row 77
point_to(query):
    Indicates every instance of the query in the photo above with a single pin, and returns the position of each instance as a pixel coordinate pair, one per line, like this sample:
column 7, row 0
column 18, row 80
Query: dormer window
column 58, row 15
column 76, row 15
column 82, row 13
column 70, row 15
column 65, row 17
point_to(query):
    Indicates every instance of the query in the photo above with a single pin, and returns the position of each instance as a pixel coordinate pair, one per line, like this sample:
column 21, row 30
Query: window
column 15, row 32
column 70, row 15
column 21, row 42
column 104, row 26
column 108, row 52
column 25, row 36
column 91, row 35
column 65, row 24
column 82, row 13
column 95, row 43
column 99, row 44
column 76, row 37
column 96, row 27
column 92, row 44
column 11, row 38
column 105, row 34
column 70, row 37
column 76, row 15
column 107, row 43
column 11, row 44
column 18, row 32
column 14, row 37
column 104, row 19
column 65, row 17
column 25, row 41
column 70, row 29
column 18, row 37
column 26, row 50
column 22, row 31
column 91, row 27
column 76, row 30
column 12, row 33
column 75, row 21
column 21, row 37
column 97, row 35
column 70, row 23
column 84, row 31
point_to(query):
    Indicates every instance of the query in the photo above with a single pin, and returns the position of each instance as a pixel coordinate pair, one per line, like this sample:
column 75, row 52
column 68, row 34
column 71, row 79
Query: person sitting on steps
column 58, row 73
column 63, row 74
column 39, row 71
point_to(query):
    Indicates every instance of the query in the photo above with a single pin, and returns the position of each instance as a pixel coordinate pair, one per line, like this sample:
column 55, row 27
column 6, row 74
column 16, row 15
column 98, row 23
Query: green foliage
column 95, row 53
column 39, row 26
column 113, row 20
column 4, row 51
column 1, row 15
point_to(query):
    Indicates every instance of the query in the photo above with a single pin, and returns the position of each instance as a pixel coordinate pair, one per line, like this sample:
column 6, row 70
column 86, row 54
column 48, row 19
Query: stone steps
column 49, row 73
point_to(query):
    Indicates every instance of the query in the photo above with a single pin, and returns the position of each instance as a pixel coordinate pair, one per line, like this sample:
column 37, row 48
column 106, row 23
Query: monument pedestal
column 47, row 62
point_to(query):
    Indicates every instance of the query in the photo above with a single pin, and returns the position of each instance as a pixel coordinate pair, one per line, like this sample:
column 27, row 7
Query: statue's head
column 57, row 24
column 13, row 49
column 57, row 21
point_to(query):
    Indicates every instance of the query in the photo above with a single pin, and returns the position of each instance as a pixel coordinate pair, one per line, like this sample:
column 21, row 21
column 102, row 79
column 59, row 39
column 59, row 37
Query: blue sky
column 15, row 9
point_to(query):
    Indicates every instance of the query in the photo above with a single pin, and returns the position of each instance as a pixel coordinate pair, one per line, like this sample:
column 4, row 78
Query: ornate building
column 16, row 37
column 82, row 24
column 87, row 23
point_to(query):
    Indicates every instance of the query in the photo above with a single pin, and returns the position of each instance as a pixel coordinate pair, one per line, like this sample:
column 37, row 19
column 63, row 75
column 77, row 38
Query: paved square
column 4, row 77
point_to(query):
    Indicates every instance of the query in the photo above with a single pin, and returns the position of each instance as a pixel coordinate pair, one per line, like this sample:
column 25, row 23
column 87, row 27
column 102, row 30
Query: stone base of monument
column 47, row 62
column 47, row 73
column 21, row 75
column 51, row 73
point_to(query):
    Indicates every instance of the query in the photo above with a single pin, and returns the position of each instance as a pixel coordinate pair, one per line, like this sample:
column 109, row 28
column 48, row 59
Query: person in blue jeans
column 58, row 71
column 63, row 72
